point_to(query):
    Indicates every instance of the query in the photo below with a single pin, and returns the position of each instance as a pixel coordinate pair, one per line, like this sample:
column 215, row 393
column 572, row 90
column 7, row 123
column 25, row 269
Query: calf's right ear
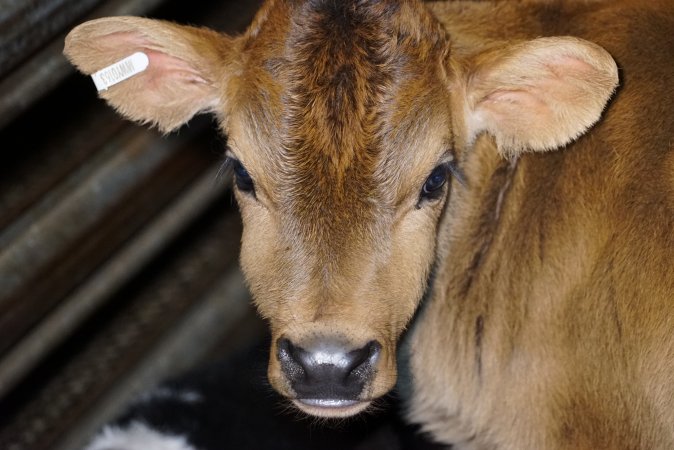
column 188, row 69
column 537, row 95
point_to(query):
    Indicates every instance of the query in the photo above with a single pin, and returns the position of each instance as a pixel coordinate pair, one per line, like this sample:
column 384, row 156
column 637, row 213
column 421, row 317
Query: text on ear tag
column 120, row 71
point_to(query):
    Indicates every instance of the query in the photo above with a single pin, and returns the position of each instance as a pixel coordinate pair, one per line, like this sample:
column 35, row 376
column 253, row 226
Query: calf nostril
column 290, row 358
column 362, row 359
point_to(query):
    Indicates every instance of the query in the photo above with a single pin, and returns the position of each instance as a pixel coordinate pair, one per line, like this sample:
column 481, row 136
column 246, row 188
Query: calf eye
column 242, row 178
column 434, row 183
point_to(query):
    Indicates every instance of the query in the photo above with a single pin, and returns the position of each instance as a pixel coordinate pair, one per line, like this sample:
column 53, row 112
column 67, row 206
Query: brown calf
column 388, row 150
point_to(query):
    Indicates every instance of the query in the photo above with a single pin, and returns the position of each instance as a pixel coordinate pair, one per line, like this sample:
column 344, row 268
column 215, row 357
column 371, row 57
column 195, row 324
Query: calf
column 388, row 151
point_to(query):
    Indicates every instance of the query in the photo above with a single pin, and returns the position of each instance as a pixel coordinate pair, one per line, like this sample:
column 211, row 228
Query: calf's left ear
column 538, row 95
column 182, row 70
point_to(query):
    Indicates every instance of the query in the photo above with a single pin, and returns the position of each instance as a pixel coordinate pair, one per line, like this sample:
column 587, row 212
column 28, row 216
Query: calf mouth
column 331, row 408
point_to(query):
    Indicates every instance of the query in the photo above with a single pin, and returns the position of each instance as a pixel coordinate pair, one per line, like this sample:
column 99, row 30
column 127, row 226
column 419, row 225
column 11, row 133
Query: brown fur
column 570, row 281
column 548, row 323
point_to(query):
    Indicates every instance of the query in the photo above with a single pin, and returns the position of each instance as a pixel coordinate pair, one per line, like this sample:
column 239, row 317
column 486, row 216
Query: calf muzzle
column 327, row 374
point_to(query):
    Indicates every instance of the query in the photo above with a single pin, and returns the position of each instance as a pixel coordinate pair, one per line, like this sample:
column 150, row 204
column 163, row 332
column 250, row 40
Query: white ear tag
column 120, row 71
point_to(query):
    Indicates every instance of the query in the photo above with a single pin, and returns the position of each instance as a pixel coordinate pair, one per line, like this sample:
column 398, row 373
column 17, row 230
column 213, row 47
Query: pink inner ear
column 131, row 40
column 541, row 95
column 501, row 101
column 162, row 68
column 565, row 65
column 538, row 95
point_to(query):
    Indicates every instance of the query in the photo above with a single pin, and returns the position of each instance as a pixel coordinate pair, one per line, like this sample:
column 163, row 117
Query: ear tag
column 120, row 71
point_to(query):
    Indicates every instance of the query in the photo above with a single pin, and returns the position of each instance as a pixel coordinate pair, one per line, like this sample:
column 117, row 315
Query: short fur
column 549, row 318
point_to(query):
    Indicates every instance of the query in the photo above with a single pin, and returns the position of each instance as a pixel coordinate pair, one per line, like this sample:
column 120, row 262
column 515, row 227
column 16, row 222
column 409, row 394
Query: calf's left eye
column 432, row 188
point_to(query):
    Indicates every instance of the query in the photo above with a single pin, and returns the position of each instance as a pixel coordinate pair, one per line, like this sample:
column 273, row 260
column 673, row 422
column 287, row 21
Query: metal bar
column 41, row 163
column 30, row 24
column 134, row 322
column 59, row 247
column 136, row 253
column 130, row 159
column 188, row 344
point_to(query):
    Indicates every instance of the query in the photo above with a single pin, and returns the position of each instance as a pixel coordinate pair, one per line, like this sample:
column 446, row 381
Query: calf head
column 346, row 125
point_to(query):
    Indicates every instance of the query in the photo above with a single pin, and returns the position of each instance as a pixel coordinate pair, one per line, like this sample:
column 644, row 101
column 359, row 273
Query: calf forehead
column 335, row 85
column 338, row 80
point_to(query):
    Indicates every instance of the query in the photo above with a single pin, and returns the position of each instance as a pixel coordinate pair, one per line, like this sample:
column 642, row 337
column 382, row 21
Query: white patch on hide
column 137, row 436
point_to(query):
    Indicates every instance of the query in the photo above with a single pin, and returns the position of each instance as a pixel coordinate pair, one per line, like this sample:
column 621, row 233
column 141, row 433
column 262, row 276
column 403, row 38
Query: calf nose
column 327, row 370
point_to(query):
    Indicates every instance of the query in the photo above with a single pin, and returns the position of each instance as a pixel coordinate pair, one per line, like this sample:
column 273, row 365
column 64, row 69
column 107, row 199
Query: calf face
column 346, row 122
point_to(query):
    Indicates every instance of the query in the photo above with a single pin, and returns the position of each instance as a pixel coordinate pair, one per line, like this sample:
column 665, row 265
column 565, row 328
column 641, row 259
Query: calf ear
column 185, row 74
column 540, row 94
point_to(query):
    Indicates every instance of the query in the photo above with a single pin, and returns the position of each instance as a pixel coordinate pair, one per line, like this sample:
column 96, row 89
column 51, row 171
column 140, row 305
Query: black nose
column 326, row 369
